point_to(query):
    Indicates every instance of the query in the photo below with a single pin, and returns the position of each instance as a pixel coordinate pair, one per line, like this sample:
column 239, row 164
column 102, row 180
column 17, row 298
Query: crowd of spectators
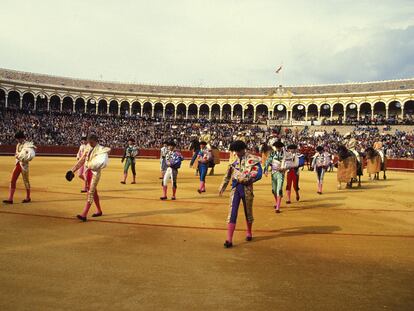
column 66, row 129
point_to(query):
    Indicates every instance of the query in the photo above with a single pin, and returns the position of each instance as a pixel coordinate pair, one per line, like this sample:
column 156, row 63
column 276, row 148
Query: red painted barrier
column 115, row 152
column 393, row 164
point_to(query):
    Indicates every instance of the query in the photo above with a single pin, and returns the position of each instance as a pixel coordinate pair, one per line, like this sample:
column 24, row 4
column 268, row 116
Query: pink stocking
column 278, row 201
column 86, row 209
column 230, row 231
column 174, row 191
column 28, row 194
column 288, row 195
column 11, row 194
column 249, row 229
column 96, row 200
column 164, row 191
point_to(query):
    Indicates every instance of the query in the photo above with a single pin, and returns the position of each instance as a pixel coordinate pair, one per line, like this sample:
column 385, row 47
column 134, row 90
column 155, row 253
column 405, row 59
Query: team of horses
column 351, row 165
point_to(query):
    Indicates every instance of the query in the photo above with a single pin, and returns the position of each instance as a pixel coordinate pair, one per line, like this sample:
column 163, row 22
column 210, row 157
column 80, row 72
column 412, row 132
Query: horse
column 375, row 163
column 349, row 167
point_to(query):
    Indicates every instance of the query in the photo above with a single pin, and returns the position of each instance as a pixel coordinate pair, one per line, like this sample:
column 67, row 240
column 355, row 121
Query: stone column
column 198, row 112
column 119, row 109
column 5, row 98
column 96, row 107
column 186, row 112
column 130, row 109
column 48, row 104
column 221, row 113
column 231, row 113
column 243, row 108
column 331, row 109
column 209, row 112
column 386, row 111
column 163, row 112
column 21, row 102
column 107, row 107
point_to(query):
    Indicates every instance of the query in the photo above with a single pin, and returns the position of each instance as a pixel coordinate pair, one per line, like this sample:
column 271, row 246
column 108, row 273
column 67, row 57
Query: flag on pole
column 278, row 69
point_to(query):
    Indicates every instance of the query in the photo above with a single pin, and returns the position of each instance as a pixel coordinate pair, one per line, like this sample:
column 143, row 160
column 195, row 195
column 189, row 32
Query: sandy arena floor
column 344, row 250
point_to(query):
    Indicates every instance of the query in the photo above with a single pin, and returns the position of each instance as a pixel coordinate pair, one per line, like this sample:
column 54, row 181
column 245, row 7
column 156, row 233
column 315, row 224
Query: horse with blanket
column 376, row 162
column 349, row 167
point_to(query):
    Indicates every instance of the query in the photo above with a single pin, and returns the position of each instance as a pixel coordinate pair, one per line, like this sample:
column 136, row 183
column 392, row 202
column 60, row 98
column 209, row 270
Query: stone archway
column 28, row 102
column 41, row 102
column 238, row 112
column 102, row 107
column 181, row 111
column 55, row 103
column 136, row 108
column 158, row 110
column 298, row 112
column 169, row 111
column 13, row 100
column 192, row 111
column 124, row 110
column 279, row 112
column 79, row 105
column 204, row 111
column 262, row 113
column 67, row 104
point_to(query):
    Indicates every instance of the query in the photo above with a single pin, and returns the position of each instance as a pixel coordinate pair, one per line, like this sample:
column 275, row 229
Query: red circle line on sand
column 282, row 231
column 290, row 209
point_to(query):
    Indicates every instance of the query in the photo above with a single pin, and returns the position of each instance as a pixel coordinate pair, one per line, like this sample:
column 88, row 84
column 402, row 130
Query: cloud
column 210, row 42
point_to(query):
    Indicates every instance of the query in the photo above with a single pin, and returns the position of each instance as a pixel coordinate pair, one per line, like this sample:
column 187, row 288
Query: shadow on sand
column 295, row 231
column 169, row 211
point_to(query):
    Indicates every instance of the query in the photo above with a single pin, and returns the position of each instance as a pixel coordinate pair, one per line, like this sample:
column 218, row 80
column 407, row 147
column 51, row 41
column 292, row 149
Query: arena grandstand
column 385, row 102
column 57, row 111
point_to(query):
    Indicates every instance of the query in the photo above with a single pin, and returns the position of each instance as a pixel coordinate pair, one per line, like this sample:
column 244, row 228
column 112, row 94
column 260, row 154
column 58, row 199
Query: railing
column 393, row 164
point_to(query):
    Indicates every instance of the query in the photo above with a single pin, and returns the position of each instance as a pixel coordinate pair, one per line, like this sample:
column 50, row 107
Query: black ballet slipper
column 278, row 211
column 84, row 191
column 228, row 244
column 173, row 198
column 80, row 217
column 133, row 183
column 27, row 200
column 199, row 191
column 249, row 238
column 123, row 182
column 97, row 214
column 288, row 202
column 297, row 197
column 163, row 198
column 7, row 201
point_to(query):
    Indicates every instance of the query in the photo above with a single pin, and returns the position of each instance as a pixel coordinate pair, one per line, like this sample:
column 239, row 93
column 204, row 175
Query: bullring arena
column 349, row 249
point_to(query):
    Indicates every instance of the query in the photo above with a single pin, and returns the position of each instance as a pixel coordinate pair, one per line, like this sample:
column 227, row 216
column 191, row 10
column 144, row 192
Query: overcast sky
column 210, row 42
